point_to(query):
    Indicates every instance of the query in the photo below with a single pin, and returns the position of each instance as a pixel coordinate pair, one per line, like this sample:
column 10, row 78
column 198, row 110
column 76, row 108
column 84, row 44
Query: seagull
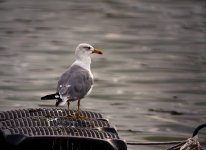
column 77, row 81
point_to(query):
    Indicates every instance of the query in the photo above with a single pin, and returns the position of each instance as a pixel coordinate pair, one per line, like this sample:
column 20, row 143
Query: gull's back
column 74, row 84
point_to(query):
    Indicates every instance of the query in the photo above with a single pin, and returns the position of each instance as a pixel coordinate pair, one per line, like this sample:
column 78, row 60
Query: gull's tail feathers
column 51, row 96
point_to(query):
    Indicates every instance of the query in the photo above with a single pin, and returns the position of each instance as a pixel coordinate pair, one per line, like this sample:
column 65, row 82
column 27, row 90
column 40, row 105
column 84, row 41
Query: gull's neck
column 84, row 62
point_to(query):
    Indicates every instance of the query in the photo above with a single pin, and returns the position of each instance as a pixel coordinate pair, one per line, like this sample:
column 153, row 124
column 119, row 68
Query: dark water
column 151, row 81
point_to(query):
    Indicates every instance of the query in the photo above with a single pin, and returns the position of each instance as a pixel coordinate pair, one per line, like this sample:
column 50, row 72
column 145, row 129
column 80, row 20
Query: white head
column 84, row 50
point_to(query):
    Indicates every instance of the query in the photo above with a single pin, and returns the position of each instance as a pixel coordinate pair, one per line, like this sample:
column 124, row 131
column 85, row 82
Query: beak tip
column 97, row 51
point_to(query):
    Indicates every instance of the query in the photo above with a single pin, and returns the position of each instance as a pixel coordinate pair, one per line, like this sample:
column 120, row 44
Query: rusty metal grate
column 53, row 121
column 24, row 128
column 51, row 112
column 60, row 131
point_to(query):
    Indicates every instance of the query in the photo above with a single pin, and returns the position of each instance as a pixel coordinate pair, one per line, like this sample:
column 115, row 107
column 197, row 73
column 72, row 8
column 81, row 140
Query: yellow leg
column 68, row 114
column 78, row 109
column 77, row 114
column 68, row 103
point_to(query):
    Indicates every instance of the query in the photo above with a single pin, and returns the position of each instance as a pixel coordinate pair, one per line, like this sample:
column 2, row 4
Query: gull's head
column 84, row 50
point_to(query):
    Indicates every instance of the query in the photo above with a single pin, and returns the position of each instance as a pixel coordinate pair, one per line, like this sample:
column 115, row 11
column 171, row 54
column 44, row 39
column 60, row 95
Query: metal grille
column 24, row 128
column 52, row 112
column 60, row 131
column 53, row 121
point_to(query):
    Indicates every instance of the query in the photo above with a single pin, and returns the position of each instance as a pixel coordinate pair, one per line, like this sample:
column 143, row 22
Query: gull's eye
column 87, row 47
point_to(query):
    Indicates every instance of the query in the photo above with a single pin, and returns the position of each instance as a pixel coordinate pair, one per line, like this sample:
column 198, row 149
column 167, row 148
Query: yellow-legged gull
column 77, row 81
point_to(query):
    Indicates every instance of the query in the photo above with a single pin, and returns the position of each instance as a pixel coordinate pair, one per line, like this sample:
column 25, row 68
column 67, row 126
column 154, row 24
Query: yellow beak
column 97, row 51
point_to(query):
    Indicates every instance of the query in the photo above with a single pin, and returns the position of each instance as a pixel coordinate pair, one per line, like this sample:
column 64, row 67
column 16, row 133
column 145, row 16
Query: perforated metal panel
column 51, row 129
column 53, row 121
column 60, row 131
column 13, row 114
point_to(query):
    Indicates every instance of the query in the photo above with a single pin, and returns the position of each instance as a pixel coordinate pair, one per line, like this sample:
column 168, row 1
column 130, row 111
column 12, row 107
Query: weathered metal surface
column 45, row 128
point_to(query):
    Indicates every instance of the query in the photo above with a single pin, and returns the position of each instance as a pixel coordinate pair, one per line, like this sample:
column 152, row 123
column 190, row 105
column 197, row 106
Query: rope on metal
column 155, row 143
column 178, row 143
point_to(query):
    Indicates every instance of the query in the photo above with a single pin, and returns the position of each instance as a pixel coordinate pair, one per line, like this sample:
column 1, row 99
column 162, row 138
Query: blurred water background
column 151, row 81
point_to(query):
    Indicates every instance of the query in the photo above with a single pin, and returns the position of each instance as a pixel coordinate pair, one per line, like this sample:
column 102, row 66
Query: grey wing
column 74, row 83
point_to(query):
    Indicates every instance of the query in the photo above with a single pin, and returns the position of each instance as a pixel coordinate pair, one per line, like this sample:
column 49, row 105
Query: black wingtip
column 49, row 97
column 43, row 98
